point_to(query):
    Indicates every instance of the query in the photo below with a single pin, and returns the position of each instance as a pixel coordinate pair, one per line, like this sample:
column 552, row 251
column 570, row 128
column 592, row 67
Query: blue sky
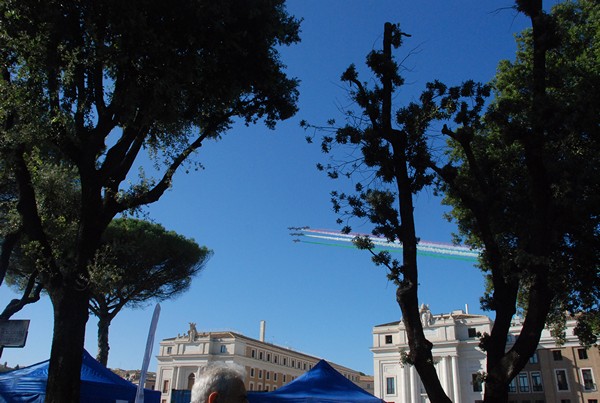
column 315, row 299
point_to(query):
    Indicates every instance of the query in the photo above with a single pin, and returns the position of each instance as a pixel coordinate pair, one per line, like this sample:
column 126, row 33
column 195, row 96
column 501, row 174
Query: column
column 455, row 378
column 415, row 396
column 402, row 378
column 175, row 382
column 443, row 374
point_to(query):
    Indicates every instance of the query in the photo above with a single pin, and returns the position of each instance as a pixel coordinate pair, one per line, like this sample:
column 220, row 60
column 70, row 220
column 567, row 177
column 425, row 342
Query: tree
column 523, row 182
column 87, row 85
column 522, row 178
column 393, row 167
column 138, row 262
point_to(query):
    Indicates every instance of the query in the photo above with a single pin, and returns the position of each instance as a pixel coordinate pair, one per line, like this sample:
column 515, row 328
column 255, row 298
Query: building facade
column 267, row 366
column 458, row 362
column 561, row 374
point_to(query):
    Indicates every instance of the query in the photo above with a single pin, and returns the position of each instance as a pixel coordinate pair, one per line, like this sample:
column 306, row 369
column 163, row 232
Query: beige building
column 556, row 374
column 367, row 382
column 133, row 376
column 561, row 374
column 268, row 366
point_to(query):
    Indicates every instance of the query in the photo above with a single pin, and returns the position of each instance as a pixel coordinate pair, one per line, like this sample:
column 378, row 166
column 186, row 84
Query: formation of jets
column 296, row 233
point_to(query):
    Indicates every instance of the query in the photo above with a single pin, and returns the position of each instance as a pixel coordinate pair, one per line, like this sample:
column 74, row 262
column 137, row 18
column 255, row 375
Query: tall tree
column 522, row 178
column 87, row 85
column 523, row 182
column 392, row 169
column 139, row 262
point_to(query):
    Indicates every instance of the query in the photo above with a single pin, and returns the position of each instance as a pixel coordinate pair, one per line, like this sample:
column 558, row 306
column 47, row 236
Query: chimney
column 262, row 331
column 467, row 309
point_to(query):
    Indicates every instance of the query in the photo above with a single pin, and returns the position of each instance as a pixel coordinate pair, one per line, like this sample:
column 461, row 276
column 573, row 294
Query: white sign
column 13, row 333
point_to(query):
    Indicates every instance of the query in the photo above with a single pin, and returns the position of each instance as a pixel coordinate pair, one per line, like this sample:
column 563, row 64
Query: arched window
column 191, row 380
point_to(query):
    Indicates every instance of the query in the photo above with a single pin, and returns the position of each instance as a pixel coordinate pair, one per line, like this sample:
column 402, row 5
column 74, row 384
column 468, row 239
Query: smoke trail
column 424, row 248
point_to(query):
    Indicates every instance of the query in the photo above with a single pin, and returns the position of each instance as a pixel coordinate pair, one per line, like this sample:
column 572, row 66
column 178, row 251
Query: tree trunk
column 406, row 295
column 103, row 347
column 70, row 317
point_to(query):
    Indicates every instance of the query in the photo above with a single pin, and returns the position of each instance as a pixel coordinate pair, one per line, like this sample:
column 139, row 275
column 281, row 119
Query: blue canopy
column 98, row 384
column 322, row 384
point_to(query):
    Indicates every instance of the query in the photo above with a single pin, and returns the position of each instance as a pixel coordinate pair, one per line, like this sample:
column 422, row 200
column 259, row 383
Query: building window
column 582, row 353
column 592, row 400
column 565, row 400
column 388, row 339
column 477, row 384
column 304, row 366
column 275, row 359
column 267, row 388
column 267, row 375
column 169, row 350
column 284, row 361
column 223, row 348
column 275, row 376
column 588, row 380
column 284, row 377
column 523, row 382
column 191, row 380
column 260, row 374
column 252, row 372
column 557, row 355
column 260, row 355
column 534, row 359
column 390, row 386
column 293, row 363
column 251, row 385
column 165, row 388
column 512, row 386
column 472, row 332
column 561, row 379
column 253, row 353
column 536, row 382
column 269, row 357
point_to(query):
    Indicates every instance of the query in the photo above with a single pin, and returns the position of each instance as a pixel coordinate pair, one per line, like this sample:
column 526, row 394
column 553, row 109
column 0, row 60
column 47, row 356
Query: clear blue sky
column 319, row 300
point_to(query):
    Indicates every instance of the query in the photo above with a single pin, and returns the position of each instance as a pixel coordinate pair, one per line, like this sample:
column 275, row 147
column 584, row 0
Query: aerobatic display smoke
column 338, row 239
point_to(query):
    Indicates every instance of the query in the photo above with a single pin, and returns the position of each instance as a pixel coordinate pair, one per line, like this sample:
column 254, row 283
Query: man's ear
column 212, row 398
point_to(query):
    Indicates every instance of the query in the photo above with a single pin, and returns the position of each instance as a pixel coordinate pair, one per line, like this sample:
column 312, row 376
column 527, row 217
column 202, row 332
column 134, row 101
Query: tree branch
column 16, row 305
column 114, row 207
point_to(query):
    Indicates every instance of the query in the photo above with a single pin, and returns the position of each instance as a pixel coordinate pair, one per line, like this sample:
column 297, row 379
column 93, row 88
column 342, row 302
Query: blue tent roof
column 322, row 384
column 98, row 384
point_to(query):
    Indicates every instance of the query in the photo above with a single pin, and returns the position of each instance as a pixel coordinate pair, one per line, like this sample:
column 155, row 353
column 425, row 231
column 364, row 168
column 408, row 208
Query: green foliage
column 566, row 245
column 588, row 329
column 140, row 261
column 85, row 87
column 161, row 73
